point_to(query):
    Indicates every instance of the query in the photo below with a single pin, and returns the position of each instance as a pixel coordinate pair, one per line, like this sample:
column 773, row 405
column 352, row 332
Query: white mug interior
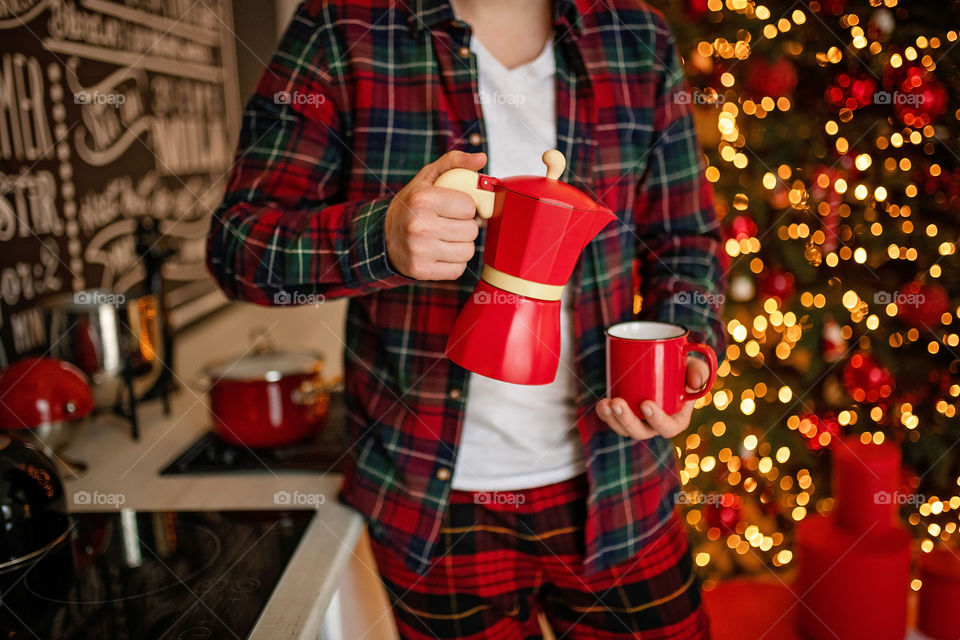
column 646, row 330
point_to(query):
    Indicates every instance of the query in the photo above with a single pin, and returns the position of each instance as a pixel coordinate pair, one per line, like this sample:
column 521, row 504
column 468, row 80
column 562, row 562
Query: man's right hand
column 430, row 230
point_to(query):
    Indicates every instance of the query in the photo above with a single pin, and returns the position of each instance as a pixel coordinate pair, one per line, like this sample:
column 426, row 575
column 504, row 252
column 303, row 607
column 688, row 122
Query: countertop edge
column 302, row 612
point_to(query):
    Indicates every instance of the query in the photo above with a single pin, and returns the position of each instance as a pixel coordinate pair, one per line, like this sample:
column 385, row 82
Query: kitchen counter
column 125, row 474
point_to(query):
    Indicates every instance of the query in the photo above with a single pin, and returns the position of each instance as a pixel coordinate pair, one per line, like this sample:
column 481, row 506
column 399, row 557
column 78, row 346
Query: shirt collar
column 426, row 14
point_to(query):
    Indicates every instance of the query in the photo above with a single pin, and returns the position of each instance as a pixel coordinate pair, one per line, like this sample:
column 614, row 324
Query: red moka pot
column 537, row 227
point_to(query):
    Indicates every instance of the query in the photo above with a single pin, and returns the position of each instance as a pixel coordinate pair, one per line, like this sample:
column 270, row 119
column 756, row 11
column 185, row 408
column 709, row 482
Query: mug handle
column 711, row 362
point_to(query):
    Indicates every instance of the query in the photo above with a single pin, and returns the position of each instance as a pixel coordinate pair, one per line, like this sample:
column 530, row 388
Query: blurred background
column 831, row 133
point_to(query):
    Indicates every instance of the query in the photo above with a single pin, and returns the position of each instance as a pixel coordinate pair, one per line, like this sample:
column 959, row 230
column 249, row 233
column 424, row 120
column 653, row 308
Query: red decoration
column 858, row 558
column 917, row 97
column 752, row 608
column 813, row 426
column 865, row 483
column 854, row 585
column 741, row 228
column 776, row 283
column 851, row 92
column 866, row 379
column 774, row 79
column 940, row 577
column 724, row 514
column 921, row 305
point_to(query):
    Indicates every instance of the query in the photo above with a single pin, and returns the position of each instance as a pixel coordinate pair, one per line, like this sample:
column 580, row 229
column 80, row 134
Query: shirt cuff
column 368, row 255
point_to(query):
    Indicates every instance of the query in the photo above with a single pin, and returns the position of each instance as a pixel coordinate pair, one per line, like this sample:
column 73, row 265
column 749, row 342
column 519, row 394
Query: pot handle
column 310, row 391
column 476, row 185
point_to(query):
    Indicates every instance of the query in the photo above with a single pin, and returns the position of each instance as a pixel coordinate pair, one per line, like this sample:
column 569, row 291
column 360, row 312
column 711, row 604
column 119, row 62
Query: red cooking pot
column 46, row 401
column 267, row 399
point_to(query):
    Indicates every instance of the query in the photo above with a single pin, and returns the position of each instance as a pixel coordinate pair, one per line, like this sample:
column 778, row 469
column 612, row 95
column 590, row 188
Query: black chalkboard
column 110, row 111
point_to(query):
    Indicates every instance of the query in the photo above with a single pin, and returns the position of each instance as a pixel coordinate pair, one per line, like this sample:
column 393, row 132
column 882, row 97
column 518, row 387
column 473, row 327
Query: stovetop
column 153, row 576
column 321, row 453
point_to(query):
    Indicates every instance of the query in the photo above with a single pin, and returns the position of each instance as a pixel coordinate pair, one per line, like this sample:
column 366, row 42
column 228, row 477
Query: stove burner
column 154, row 576
column 150, row 577
column 322, row 453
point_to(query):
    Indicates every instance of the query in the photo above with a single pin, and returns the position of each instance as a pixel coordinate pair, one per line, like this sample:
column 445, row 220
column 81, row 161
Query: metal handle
column 314, row 389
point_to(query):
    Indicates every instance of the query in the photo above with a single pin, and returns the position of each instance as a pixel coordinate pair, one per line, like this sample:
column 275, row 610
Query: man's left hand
column 655, row 422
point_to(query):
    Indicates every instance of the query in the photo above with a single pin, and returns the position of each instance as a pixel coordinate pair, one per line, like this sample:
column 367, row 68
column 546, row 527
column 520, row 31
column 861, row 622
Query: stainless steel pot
column 108, row 335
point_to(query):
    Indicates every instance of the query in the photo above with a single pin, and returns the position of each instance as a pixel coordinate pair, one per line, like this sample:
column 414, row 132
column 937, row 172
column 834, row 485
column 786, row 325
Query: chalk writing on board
column 110, row 111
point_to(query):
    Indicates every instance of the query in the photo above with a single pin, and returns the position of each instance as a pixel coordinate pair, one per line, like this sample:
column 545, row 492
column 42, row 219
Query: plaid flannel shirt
column 359, row 96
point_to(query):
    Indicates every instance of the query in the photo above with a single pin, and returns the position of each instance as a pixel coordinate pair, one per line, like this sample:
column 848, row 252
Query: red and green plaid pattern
column 502, row 558
column 361, row 95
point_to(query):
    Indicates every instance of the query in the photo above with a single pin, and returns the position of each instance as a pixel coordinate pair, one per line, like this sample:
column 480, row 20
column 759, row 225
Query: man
column 487, row 503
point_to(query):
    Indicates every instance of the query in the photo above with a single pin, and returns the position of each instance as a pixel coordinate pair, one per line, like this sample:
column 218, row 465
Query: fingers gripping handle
column 469, row 183
column 711, row 357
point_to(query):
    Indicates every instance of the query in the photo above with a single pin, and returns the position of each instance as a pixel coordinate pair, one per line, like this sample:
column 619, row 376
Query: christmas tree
column 830, row 131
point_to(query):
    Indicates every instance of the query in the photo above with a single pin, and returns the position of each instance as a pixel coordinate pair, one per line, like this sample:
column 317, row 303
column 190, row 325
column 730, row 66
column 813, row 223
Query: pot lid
column 549, row 189
column 39, row 391
column 269, row 366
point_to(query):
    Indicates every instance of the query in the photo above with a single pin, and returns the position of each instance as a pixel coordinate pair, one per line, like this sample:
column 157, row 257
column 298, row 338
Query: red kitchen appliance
column 537, row 227
column 46, row 401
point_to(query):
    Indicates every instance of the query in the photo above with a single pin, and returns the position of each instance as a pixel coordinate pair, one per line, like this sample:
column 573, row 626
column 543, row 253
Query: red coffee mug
column 648, row 361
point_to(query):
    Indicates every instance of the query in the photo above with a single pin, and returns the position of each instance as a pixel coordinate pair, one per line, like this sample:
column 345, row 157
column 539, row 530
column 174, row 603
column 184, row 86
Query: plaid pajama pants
column 504, row 557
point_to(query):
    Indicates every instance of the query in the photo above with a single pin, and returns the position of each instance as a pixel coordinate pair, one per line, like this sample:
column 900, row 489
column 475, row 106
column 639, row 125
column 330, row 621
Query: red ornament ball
column 742, row 228
column 921, row 106
column 922, row 305
column 776, row 283
column 917, row 97
column 819, row 432
column 851, row 92
column 865, row 379
column 725, row 513
column 774, row 79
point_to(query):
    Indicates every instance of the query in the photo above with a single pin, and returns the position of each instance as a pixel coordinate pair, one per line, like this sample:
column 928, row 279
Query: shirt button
column 443, row 474
column 475, row 139
column 454, row 393
column 464, row 52
column 458, row 24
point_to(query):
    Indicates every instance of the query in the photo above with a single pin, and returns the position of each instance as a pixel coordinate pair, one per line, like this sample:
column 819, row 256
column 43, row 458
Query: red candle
column 853, row 586
column 940, row 594
column 865, row 482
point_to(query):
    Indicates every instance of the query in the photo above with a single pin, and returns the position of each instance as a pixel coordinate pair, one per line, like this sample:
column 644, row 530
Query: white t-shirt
column 520, row 436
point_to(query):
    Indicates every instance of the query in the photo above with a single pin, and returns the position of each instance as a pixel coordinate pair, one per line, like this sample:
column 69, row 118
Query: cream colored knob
column 465, row 180
column 555, row 162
